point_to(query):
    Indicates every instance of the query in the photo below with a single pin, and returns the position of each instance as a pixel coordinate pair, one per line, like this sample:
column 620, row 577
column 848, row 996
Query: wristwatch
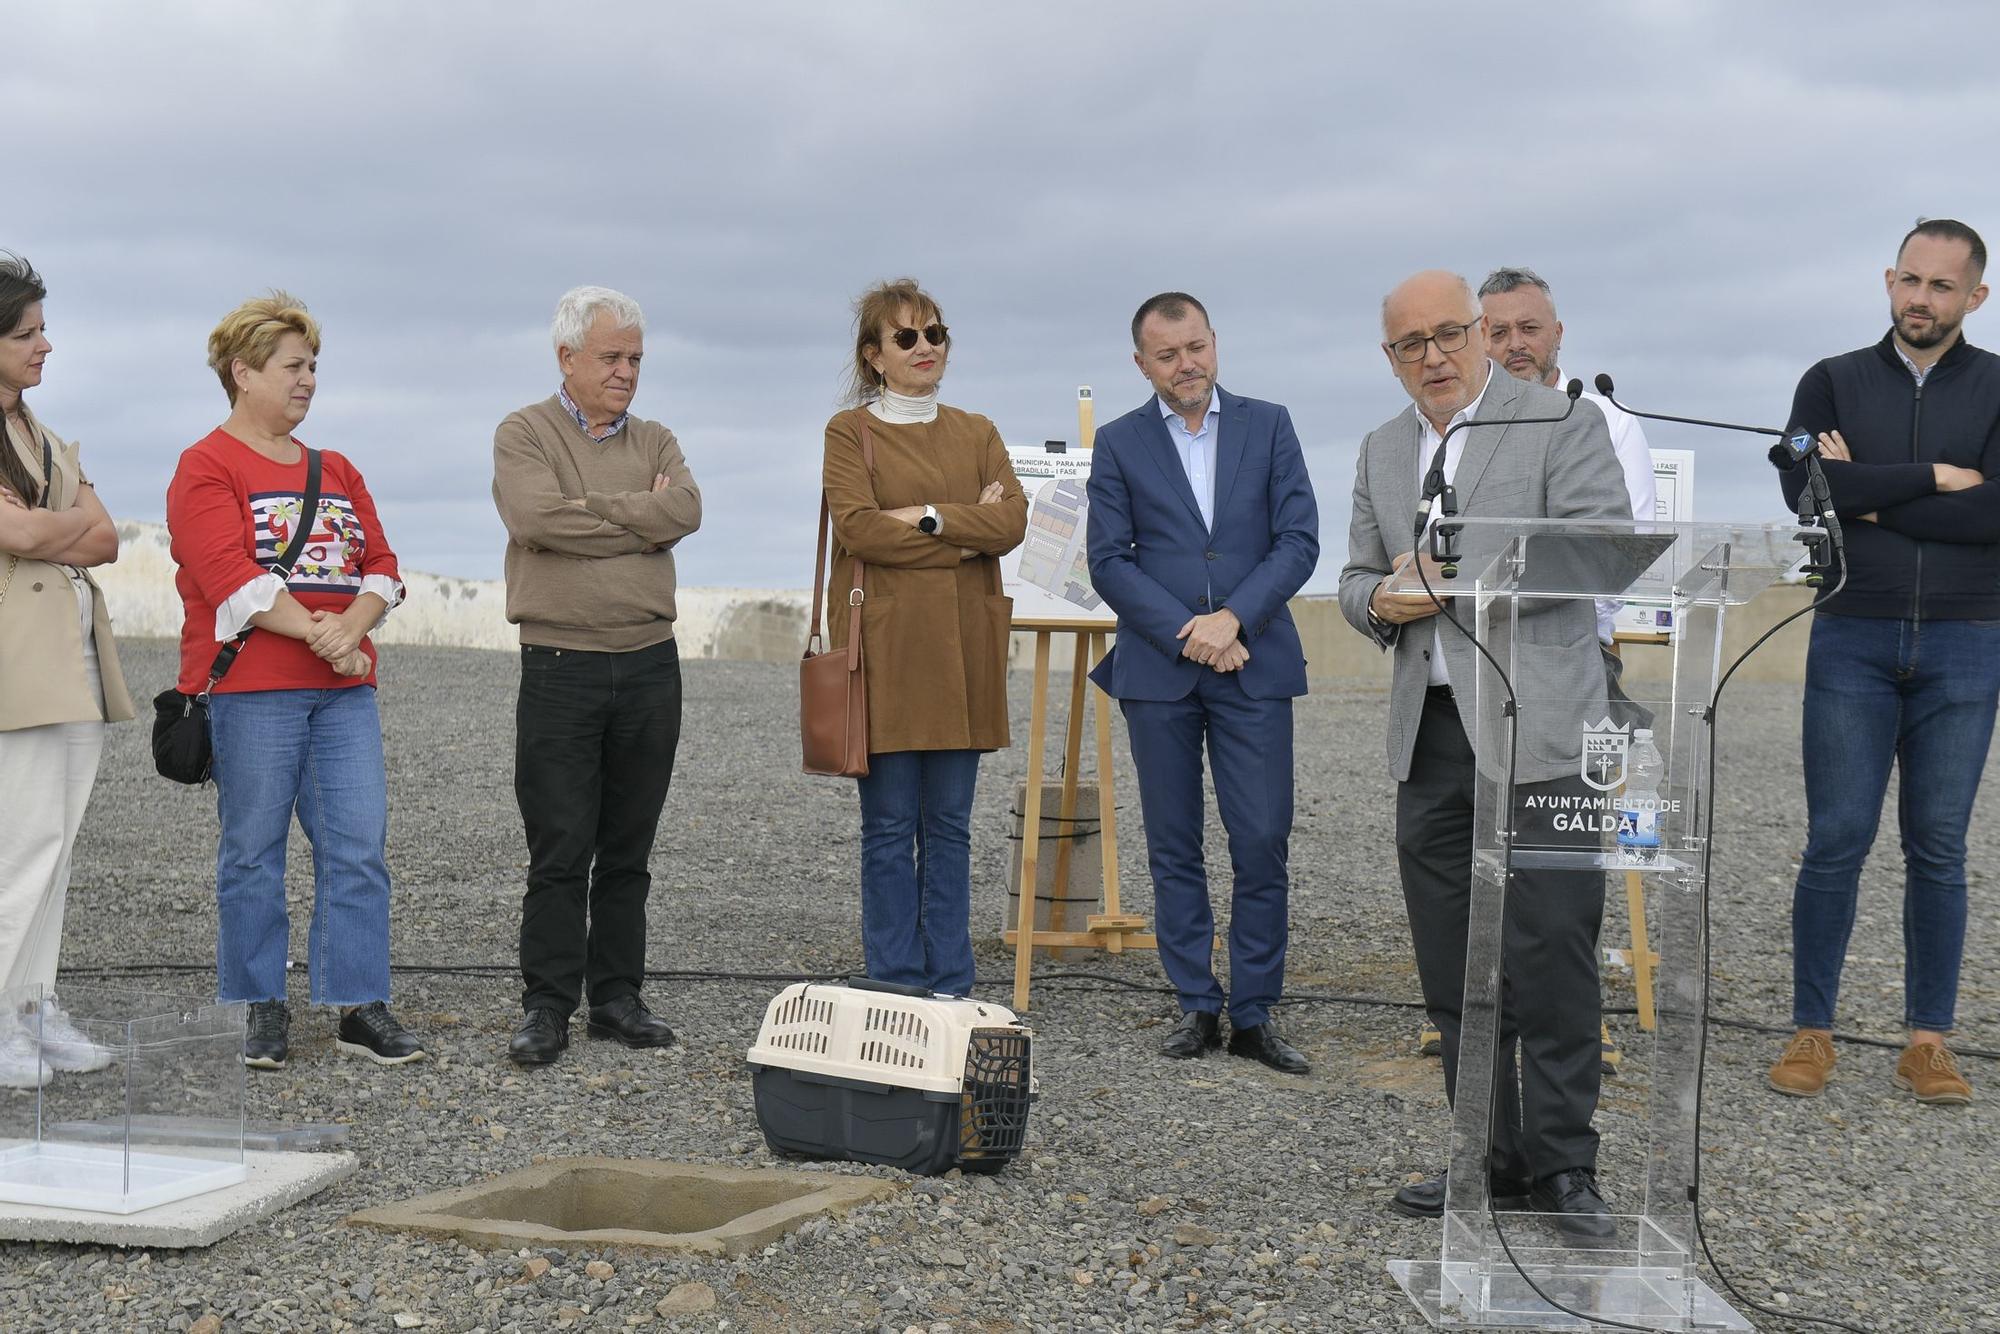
column 929, row 523
column 1384, row 630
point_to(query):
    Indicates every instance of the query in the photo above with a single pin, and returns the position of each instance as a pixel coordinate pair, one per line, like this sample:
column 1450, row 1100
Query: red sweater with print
column 231, row 513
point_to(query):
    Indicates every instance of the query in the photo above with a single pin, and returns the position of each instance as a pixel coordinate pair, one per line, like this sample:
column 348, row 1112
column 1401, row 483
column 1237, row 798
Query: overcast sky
column 1712, row 189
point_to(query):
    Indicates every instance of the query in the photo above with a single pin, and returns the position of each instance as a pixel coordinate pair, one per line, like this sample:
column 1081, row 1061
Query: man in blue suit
column 1202, row 526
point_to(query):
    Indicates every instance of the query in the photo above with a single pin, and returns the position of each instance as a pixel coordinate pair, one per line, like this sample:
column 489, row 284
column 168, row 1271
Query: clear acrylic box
column 157, row 1116
column 1554, row 783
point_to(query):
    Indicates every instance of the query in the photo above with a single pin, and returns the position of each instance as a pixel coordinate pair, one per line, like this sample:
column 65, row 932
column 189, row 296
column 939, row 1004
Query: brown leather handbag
column 833, row 687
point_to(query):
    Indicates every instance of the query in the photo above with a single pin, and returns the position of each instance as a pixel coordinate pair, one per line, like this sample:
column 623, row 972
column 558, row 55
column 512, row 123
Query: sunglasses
column 934, row 334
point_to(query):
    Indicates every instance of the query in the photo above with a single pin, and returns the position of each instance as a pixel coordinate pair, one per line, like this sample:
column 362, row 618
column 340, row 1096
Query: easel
column 1111, row 930
column 1644, row 961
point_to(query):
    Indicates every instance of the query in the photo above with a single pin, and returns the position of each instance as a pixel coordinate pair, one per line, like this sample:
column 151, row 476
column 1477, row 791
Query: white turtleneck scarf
column 894, row 407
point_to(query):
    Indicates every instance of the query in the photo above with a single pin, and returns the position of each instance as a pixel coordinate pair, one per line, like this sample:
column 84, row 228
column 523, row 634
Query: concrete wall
column 769, row 624
column 759, row 624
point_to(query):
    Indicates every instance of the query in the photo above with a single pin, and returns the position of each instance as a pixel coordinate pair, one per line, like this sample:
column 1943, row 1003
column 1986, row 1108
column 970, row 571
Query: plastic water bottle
column 1639, row 806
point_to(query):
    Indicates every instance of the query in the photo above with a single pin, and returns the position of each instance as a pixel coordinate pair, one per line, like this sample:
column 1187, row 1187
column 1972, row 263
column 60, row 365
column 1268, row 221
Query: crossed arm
column 600, row 523
column 82, row 535
column 1934, row 502
column 1964, row 507
column 992, row 525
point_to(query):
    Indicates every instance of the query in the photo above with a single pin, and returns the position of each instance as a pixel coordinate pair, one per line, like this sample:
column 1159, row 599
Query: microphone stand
column 1825, row 544
column 1444, row 537
column 1821, row 533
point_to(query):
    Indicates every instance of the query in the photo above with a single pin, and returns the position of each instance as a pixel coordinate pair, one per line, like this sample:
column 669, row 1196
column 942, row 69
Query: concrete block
column 277, row 1181
column 598, row 1202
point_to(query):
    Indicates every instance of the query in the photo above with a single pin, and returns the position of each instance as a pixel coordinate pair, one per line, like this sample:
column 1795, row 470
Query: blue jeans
column 916, row 868
column 319, row 753
column 1918, row 695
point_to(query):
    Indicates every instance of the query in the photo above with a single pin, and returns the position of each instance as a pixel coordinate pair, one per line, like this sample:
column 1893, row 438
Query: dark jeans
column 1249, row 743
column 595, row 735
column 1919, row 696
column 1549, row 1074
column 916, row 868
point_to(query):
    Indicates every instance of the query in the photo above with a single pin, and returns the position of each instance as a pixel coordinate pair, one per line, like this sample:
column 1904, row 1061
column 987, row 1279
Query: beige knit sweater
column 590, row 562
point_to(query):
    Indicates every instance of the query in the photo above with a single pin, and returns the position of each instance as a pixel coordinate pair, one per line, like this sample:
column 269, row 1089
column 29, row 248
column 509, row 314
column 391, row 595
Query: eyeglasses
column 1450, row 338
column 934, row 334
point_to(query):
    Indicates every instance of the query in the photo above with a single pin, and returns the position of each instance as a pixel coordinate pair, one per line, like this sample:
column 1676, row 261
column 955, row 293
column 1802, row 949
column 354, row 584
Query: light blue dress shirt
column 1197, row 452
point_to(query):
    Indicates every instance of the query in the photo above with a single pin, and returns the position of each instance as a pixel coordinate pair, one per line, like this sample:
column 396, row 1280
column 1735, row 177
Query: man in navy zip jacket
column 1202, row 524
column 1904, row 667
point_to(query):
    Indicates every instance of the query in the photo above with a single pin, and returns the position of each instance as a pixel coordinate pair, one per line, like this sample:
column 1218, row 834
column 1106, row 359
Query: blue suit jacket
column 1157, row 565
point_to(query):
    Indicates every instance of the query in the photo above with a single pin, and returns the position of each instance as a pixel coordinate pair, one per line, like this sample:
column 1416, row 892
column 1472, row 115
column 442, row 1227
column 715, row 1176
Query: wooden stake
column 1072, row 755
column 1107, row 808
column 1642, row 957
column 1031, row 824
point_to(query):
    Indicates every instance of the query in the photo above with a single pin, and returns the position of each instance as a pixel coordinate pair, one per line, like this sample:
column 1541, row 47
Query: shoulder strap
column 855, row 593
column 48, row 472
column 308, row 515
column 288, row 561
column 819, row 568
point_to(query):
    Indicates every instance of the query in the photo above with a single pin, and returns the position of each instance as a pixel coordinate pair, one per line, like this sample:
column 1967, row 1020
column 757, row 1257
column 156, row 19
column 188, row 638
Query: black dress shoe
column 1262, row 1043
column 1580, row 1211
column 540, row 1038
column 1425, row 1199
column 1197, row 1034
column 629, row 1021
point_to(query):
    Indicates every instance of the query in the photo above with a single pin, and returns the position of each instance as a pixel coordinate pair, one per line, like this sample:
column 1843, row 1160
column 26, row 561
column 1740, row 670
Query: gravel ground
column 1153, row 1195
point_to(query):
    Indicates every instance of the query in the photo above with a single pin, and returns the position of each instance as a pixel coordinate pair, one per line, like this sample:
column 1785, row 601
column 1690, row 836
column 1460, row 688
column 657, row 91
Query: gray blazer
column 1556, row 471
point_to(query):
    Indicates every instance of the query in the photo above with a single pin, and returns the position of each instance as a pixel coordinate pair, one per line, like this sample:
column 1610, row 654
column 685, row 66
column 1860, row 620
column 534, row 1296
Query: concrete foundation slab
column 277, row 1181
column 597, row 1202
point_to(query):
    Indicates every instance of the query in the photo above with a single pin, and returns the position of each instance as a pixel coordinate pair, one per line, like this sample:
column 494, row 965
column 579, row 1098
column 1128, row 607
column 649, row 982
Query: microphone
column 1434, row 483
column 1793, row 448
column 1603, row 382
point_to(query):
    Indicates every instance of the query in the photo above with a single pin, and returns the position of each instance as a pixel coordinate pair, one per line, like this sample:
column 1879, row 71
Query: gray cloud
column 1713, row 190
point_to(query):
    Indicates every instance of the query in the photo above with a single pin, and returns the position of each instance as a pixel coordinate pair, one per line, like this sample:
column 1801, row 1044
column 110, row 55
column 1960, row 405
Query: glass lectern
column 1632, row 810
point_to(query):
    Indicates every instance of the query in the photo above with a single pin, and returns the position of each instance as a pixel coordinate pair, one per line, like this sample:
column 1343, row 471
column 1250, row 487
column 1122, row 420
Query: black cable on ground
column 1707, row 967
column 1106, row 982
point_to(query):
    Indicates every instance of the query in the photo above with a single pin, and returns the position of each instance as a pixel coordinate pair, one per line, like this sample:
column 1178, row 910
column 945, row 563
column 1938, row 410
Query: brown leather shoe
column 1929, row 1071
column 1801, row 1072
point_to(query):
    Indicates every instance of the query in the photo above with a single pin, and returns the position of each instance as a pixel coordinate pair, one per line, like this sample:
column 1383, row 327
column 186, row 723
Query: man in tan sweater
column 594, row 500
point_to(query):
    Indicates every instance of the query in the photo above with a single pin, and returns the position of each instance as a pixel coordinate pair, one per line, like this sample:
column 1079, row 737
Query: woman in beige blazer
column 930, row 522
column 59, row 684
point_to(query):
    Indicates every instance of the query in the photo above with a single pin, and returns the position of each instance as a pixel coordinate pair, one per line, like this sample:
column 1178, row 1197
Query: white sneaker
column 64, row 1045
column 21, row 1063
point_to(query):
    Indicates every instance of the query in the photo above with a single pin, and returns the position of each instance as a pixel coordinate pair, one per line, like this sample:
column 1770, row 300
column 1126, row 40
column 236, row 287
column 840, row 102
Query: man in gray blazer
column 1434, row 338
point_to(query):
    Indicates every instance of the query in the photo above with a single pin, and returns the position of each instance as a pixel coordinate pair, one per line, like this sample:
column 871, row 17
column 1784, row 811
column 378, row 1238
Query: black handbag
column 182, row 750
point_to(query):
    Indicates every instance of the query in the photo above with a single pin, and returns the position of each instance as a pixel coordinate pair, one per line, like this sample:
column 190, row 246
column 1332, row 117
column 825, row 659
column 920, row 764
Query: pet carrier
column 879, row 1073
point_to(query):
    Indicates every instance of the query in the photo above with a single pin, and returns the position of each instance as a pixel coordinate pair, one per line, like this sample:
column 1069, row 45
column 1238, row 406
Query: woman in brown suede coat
column 929, row 522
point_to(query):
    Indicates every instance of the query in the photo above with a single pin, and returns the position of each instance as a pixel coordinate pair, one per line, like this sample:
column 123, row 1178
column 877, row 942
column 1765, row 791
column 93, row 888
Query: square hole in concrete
column 596, row 1202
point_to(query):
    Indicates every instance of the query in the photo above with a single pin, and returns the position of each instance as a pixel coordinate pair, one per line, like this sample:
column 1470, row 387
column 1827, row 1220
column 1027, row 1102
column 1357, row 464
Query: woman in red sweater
column 293, row 721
